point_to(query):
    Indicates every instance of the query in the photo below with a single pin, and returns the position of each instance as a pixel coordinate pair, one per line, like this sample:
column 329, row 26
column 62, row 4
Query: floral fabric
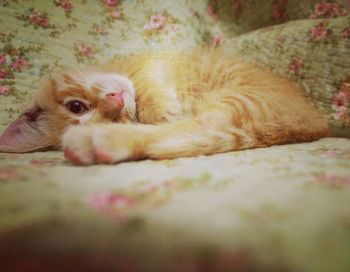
column 283, row 208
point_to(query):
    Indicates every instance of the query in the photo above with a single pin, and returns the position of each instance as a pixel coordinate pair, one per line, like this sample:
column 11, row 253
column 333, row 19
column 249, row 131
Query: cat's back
column 200, row 71
column 146, row 63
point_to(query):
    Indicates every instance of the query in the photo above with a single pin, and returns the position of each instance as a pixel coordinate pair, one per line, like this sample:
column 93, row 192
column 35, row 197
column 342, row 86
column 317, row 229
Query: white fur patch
column 109, row 83
column 70, row 98
column 86, row 117
column 171, row 92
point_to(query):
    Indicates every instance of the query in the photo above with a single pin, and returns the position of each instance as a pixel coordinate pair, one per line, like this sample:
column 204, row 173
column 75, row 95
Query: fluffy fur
column 173, row 105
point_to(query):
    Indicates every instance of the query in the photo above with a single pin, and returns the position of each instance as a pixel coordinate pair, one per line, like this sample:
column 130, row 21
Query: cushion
column 311, row 53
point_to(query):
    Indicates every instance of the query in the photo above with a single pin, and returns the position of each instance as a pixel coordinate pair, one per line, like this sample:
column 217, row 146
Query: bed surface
column 282, row 208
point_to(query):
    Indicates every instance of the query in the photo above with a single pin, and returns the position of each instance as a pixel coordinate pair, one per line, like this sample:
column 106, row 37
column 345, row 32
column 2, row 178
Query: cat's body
column 186, row 105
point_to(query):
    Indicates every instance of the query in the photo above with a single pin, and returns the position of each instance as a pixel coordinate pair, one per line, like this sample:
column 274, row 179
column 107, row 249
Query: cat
column 163, row 106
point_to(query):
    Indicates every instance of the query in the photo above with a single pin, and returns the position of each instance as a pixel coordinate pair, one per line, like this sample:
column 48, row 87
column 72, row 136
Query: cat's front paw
column 85, row 145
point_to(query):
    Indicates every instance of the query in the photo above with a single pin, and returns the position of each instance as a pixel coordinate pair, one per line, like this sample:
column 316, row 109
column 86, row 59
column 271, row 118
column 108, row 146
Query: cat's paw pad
column 85, row 145
column 72, row 156
column 103, row 156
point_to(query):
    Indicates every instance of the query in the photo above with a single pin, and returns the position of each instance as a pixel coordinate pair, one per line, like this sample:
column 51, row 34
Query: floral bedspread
column 283, row 208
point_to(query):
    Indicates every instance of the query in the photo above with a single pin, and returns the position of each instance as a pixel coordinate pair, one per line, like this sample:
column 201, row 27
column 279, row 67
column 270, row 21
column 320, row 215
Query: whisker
column 73, row 67
column 58, row 70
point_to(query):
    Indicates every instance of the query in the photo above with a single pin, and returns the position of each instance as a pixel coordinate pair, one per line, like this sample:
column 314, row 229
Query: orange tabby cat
column 164, row 106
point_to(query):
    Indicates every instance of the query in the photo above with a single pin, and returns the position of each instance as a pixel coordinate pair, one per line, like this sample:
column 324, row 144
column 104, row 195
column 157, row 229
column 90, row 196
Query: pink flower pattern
column 279, row 11
column 211, row 9
column 4, row 89
column 160, row 23
column 66, row 5
column 157, row 22
column 113, row 10
column 335, row 153
column 38, row 19
column 8, row 173
column 329, row 154
column 346, row 33
column 116, row 14
column 85, row 50
column 111, row 3
column 319, row 32
column 115, row 204
column 3, row 74
column 328, row 10
column 2, row 59
column 295, row 66
column 111, row 204
column 108, row 200
column 217, row 40
column 13, row 60
column 334, row 180
column 19, row 64
column 236, row 6
column 341, row 102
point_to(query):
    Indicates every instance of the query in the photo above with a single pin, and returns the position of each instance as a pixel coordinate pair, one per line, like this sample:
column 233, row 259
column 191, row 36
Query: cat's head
column 69, row 99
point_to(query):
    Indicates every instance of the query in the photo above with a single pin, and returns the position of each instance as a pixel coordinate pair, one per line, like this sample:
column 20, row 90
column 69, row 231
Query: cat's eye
column 76, row 107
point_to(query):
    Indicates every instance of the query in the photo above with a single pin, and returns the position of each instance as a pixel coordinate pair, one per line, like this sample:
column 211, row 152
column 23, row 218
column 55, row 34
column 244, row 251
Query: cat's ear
column 24, row 134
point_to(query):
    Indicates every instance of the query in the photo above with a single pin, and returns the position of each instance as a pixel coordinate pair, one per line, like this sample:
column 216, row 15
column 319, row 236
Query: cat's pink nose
column 117, row 97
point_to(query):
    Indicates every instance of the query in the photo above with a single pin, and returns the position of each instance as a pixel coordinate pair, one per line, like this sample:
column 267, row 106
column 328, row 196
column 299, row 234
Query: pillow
column 240, row 16
column 314, row 53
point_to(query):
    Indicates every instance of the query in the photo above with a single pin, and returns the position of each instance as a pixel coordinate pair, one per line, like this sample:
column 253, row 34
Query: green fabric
column 283, row 208
column 321, row 66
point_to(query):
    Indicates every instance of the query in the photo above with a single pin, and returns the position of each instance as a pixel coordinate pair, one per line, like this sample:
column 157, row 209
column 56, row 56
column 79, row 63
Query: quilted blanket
column 282, row 208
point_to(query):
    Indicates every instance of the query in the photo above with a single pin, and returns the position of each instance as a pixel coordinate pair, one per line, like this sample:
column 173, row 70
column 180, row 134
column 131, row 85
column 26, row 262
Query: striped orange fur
column 185, row 104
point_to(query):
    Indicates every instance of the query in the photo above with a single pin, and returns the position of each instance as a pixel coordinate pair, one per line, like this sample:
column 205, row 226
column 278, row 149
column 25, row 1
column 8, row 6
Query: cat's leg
column 156, row 89
column 159, row 106
column 210, row 133
column 228, row 126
